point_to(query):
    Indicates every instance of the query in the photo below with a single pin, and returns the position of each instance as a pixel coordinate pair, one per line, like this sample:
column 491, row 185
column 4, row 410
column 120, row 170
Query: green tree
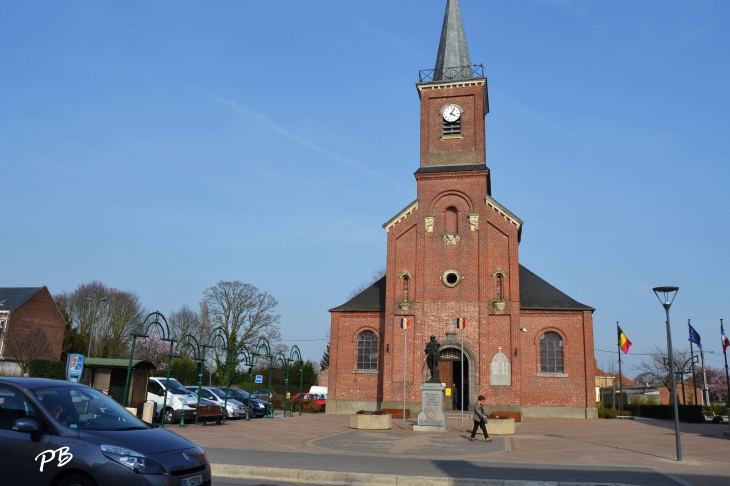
column 325, row 362
column 73, row 342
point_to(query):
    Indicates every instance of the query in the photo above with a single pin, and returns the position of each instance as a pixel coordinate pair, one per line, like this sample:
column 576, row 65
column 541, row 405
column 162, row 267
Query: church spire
column 453, row 60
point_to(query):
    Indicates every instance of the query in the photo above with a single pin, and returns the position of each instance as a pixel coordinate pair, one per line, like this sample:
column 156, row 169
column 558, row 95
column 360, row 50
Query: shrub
column 308, row 406
column 43, row 368
column 277, row 401
column 610, row 413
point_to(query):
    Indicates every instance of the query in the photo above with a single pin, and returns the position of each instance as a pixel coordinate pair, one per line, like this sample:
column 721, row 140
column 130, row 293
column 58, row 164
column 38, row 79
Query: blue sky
column 163, row 146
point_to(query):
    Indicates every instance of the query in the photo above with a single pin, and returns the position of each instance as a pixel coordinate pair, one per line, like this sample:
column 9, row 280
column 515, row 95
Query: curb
column 308, row 476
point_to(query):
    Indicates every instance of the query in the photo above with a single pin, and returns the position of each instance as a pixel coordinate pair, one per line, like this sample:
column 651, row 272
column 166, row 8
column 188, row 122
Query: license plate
column 192, row 481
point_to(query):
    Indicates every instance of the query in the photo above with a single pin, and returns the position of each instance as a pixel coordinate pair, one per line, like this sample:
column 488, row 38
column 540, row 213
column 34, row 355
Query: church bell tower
column 454, row 104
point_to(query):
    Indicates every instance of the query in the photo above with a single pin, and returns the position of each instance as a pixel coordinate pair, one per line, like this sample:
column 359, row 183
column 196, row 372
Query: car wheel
column 322, row 408
column 77, row 480
column 169, row 414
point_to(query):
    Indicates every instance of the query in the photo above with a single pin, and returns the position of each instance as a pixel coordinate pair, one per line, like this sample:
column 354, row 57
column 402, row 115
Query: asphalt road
column 440, row 468
column 250, row 482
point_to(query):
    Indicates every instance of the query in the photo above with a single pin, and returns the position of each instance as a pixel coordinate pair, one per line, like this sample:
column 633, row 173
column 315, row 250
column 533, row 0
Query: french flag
column 725, row 340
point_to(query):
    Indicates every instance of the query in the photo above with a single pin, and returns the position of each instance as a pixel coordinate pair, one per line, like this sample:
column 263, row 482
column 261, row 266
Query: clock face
column 451, row 113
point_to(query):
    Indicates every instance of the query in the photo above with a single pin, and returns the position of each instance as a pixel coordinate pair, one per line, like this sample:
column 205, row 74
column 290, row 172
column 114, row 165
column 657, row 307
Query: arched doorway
column 450, row 373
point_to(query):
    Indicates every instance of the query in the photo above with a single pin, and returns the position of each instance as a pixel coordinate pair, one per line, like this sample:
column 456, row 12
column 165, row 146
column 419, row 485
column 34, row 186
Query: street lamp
column 91, row 302
column 667, row 297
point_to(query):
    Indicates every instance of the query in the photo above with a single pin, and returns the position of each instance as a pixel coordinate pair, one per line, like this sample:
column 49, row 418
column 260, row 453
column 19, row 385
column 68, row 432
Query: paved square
column 641, row 445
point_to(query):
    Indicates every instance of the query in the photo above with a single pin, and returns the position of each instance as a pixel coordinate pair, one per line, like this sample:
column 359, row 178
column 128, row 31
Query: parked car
column 319, row 390
column 258, row 407
column 178, row 401
column 234, row 408
column 264, row 394
column 59, row 433
column 320, row 400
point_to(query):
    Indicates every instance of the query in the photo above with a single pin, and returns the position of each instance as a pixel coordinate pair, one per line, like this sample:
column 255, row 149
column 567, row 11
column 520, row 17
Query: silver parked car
column 234, row 408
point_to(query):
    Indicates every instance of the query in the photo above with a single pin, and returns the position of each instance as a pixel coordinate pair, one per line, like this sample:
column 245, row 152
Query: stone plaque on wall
column 500, row 371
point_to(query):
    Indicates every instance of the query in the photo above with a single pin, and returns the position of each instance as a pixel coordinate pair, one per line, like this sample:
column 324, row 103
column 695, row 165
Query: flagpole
column 620, row 380
column 461, row 403
column 704, row 375
column 727, row 375
column 692, row 357
column 405, row 344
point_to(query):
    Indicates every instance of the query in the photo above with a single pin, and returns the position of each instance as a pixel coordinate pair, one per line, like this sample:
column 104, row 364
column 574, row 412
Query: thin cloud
column 272, row 125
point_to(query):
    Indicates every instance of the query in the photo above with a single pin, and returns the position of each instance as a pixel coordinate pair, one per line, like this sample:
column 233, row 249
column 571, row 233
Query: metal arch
column 145, row 328
column 295, row 348
column 217, row 334
column 188, row 341
column 262, row 343
column 157, row 315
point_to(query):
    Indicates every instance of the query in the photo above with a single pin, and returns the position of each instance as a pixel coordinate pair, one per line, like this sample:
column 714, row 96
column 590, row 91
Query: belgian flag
column 623, row 341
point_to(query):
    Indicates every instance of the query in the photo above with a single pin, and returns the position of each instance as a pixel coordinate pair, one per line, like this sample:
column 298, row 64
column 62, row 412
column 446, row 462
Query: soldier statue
column 432, row 359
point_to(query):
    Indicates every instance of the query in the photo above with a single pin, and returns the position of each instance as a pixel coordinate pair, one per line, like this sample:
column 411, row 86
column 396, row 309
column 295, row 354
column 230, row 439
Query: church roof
column 372, row 299
column 453, row 51
column 535, row 294
column 13, row 297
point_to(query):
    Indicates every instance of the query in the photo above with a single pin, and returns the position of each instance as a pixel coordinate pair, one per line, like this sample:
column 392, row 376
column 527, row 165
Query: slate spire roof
column 453, row 51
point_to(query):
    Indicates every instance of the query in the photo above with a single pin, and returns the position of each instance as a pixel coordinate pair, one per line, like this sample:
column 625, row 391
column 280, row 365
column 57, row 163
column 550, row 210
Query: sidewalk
column 638, row 451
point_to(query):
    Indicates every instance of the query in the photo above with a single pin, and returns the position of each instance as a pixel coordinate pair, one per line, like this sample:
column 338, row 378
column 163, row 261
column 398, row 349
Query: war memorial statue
column 432, row 418
column 432, row 359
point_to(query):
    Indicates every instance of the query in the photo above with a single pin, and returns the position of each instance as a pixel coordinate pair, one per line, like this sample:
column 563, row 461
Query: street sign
column 259, row 378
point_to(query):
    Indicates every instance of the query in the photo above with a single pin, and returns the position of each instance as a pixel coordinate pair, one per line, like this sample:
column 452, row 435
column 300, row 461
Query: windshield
column 242, row 393
column 86, row 408
column 176, row 388
column 218, row 392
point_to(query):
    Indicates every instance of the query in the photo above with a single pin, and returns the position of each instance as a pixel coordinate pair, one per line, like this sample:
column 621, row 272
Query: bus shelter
column 111, row 374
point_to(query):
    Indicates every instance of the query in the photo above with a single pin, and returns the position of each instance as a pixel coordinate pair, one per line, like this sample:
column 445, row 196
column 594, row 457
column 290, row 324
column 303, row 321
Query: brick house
column 26, row 313
column 453, row 253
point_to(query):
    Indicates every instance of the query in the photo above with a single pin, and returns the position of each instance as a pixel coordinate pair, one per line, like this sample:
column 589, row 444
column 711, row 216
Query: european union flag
column 694, row 336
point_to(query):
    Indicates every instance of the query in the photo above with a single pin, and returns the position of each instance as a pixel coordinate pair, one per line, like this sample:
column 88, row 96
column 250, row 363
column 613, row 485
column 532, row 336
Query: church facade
column 453, row 271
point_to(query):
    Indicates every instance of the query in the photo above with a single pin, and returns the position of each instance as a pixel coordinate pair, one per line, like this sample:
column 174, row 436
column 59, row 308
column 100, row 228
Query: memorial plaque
column 500, row 371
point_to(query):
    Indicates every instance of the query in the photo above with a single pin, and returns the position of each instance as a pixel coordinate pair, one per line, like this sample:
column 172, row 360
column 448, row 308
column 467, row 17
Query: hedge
column 687, row 413
column 43, row 368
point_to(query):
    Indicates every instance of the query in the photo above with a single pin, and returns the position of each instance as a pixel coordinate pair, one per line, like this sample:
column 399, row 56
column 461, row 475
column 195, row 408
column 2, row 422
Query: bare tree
column 655, row 369
column 107, row 324
column 244, row 314
column 377, row 275
column 25, row 345
column 186, row 321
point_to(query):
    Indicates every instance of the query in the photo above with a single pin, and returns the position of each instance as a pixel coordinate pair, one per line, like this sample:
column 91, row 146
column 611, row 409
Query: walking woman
column 480, row 420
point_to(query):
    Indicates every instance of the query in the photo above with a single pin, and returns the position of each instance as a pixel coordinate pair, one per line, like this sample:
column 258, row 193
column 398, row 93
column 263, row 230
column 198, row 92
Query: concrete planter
column 370, row 422
column 501, row 426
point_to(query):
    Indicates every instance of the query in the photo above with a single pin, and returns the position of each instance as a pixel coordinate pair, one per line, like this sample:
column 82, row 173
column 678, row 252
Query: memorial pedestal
column 432, row 418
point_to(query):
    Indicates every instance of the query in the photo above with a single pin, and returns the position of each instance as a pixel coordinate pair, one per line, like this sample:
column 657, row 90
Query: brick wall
column 38, row 311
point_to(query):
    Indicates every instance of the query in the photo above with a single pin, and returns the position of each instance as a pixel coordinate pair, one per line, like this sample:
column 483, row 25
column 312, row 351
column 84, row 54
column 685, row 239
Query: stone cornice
column 400, row 216
column 504, row 212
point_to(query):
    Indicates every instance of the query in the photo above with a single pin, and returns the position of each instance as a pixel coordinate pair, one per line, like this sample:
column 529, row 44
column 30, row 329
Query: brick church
column 454, row 253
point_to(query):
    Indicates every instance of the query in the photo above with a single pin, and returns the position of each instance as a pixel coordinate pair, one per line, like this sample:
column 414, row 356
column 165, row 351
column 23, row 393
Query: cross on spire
column 453, row 52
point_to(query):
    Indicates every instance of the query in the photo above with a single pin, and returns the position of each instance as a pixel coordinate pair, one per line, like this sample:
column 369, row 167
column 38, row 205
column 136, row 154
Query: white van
column 179, row 400
column 319, row 390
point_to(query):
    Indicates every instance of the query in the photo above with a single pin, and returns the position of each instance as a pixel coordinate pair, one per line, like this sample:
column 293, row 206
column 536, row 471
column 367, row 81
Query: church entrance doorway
column 450, row 374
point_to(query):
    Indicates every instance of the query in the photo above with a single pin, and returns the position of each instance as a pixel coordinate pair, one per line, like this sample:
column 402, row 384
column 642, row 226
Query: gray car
column 65, row 434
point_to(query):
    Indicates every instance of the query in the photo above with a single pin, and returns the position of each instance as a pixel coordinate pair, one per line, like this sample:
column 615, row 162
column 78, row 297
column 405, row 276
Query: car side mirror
column 25, row 425
column 28, row 425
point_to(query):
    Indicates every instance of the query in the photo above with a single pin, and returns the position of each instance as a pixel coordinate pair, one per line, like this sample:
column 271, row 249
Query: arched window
column 499, row 287
column 551, row 353
column 451, row 221
column 367, row 351
column 405, row 288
